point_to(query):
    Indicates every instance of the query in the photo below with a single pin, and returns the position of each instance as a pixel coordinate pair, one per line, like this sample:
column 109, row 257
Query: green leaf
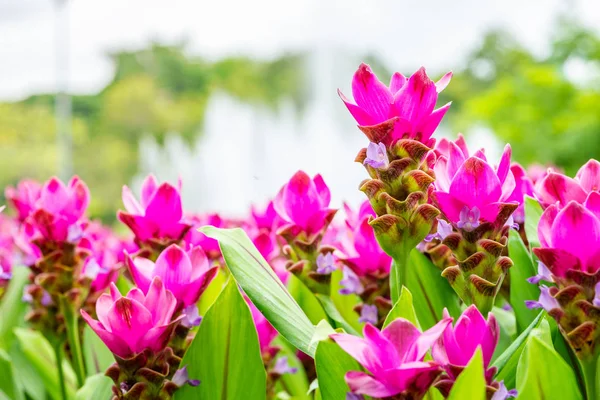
column 403, row 309
column 212, row 291
column 332, row 364
column 543, row 374
column 507, row 324
column 295, row 384
column 96, row 387
column 306, row 300
column 520, row 289
column 333, row 313
column 26, row 375
column 95, row 353
column 430, row 290
column 470, row 384
column 9, row 384
column 123, row 284
column 263, row 287
column 12, row 308
column 42, row 359
column 533, row 213
column 345, row 303
column 507, row 362
column 225, row 355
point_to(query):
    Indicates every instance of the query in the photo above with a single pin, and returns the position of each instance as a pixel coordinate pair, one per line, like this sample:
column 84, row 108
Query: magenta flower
column 394, row 359
column 196, row 238
column 457, row 345
column 24, row 197
column 158, row 216
column 523, row 186
column 405, row 109
column 186, row 275
column 558, row 188
column 468, row 190
column 570, row 237
column 303, row 203
column 129, row 325
column 58, row 214
column 361, row 250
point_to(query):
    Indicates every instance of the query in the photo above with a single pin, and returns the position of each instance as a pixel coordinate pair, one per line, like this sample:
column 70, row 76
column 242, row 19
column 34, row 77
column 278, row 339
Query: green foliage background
column 524, row 98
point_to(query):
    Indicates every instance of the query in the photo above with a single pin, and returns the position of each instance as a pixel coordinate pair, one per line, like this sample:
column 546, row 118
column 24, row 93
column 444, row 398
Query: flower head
column 404, row 109
column 158, row 216
column 393, row 358
column 469, row 191
column 23, row 197
column 129, row 325
column 185, row 274
column 558, row 188
column 523, row 187
column 303, row 203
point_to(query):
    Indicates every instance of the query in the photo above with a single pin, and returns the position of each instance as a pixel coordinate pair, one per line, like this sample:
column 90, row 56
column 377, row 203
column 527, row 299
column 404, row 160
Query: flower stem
column 72, row 327
column 398, row 274
column 59, row 366
column 589, row 366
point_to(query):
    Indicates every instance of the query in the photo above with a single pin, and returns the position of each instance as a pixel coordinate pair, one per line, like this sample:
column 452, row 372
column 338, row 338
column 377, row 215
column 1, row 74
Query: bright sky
column 405, row 33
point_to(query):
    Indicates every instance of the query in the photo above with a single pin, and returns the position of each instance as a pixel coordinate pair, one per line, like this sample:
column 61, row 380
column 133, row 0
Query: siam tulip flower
column 24, row 197
column 474, row 197
column 303, row 204
column 457, row 345
column 157, row 220
column 402, row 110
column 558, row 188
column 58, row 214
column 131, row 324
column 393, row 358
column 185, row 274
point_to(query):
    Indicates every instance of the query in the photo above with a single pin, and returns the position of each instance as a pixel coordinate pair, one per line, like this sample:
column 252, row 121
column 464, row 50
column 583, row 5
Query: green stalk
column 72, row 326
column 59, row 365
column 398, row 273
column 589, row 367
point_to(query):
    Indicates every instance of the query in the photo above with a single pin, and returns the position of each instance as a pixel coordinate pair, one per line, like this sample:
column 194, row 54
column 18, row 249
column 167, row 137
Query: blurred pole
column 64, row 140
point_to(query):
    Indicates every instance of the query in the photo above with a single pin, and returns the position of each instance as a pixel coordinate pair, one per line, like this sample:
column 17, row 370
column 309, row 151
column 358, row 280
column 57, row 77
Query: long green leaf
column 306, row 300
column 333, row 313
column 543, row 374
column 507, row 362
column 8, row 381
column 533, row 213
column 345, row 303
column 520, row 289
column 470, row 384
column 332, row 365
column 96, row 387
column 72, row 328
column 296, row 385
column 431, row 292
column 42, row 359
column 263, row 287
column 26, row 375
column 225, row 355
column 12, row 308
column 403, row 309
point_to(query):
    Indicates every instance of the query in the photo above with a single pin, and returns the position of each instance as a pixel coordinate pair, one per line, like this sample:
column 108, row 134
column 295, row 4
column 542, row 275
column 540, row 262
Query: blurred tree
column 547, row 111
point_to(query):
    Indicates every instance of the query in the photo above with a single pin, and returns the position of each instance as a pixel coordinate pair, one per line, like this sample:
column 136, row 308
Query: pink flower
column 405, row 109
column 129, row 325
column 570, row 237
column 523, row 186
column 158, row 216
column 303, row 203
column 393, row 357
column 24, row 197
column 264, row 329
column 361, row 251
column 187, row 275
column 196, row 238
column 468, row 190
column 458, row 344
column 58, row 214
column 558, row 188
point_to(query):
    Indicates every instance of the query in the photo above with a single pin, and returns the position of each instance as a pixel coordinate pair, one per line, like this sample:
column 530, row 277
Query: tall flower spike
column 474, row 197
column 457, row 345
column 157, row 220
column 393, row 358
column 303, row 205
column 399, row 121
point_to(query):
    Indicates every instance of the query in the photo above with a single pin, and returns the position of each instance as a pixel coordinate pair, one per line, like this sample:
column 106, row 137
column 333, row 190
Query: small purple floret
column 469, row 219
column 351, row 283
column 377, row 155
column 369, row 314
column 325, row 264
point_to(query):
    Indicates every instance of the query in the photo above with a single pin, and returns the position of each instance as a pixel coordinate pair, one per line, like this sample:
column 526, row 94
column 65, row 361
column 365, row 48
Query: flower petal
column 577, row 231
column 476, row 183
column 370, row 94
column 148, row 189
column 165, row 205
column 361, row 383
column 589, row 176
